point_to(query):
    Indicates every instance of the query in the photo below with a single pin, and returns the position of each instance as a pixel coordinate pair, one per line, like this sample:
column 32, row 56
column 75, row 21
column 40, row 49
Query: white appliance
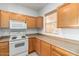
column 18, row 43
column 14, row 24
column 18, row 47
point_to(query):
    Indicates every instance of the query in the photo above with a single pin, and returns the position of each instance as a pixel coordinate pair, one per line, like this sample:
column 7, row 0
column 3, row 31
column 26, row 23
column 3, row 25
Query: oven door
column 18, row 47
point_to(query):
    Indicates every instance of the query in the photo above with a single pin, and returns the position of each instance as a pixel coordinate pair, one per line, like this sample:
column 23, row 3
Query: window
column 51, row 23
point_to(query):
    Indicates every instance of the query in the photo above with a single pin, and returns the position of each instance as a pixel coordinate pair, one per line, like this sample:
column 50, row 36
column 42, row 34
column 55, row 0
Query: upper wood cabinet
column 30, row 21
column 18, row 17
column 4, row 19
column 34, row 22
column 39, row 22
column 68, row 15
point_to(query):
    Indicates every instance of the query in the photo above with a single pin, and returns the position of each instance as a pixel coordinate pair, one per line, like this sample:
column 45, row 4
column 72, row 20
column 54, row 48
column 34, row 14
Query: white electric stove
column 18, row 44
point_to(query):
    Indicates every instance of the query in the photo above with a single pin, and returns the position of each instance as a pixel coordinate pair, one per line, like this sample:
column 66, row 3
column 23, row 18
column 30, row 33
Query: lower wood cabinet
column 45, row 49
column 31, row 44
column 54, row 52
column 4, row 48
column 34, row 45
column 62, row 52
column 38, row 46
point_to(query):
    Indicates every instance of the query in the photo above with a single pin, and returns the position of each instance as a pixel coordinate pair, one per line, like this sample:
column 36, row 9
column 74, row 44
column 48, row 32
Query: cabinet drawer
column 4, row 49
column 4, row 44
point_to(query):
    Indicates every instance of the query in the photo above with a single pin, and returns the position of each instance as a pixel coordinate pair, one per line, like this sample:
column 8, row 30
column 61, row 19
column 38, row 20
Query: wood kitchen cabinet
column 4, row 48
column 30, row 22
column 34, row 22
column 39, row 22
column 45, row 49
column 31, row 44
column 56, row 51
column 21, row 17
column 37, row 46
column 68, row 15
column 17, row 17
column 4, row 19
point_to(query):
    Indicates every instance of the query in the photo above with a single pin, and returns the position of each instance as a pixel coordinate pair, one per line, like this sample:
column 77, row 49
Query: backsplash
column 65, row 32
column 72, row 33
column 4, row 32
column 31, row 31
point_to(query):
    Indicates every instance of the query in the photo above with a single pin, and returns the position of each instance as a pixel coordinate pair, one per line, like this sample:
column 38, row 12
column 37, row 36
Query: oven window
column 19, row 44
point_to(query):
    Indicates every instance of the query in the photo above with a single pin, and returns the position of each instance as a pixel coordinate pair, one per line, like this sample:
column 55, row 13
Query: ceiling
column 34, row 6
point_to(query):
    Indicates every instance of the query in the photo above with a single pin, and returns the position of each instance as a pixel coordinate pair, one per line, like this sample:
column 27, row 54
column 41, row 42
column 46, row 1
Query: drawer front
column 2, row 44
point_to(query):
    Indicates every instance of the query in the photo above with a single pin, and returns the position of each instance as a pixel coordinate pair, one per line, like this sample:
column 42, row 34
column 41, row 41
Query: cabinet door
column 4, row 21
column 4, row 48
column 37, row 46
column 45, row 49
column 13, row 16
column 63, row 52
column 30, row 22
column 67, row 16
column 17, row 17
column 20, row 17
column 54, row 52
column 31, row 44
column 39, row 22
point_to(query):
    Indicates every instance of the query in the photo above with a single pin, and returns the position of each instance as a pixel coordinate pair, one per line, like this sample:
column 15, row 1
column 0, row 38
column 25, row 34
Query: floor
column 33, row 54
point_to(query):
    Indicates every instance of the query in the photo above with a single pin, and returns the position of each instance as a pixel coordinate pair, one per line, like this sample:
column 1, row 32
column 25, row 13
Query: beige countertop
column 67, row 44
column 4, row 38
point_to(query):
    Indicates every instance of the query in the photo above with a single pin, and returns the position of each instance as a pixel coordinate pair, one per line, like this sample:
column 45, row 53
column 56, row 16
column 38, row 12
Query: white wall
column 49, row 8
column 17, row 9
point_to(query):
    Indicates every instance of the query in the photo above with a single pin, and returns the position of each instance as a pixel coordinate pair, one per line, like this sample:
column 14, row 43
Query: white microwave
column 14, row 24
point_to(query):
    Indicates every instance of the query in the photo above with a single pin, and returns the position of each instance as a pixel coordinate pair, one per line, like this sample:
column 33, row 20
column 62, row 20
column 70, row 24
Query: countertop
column 67, row 44
column 4, row 38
